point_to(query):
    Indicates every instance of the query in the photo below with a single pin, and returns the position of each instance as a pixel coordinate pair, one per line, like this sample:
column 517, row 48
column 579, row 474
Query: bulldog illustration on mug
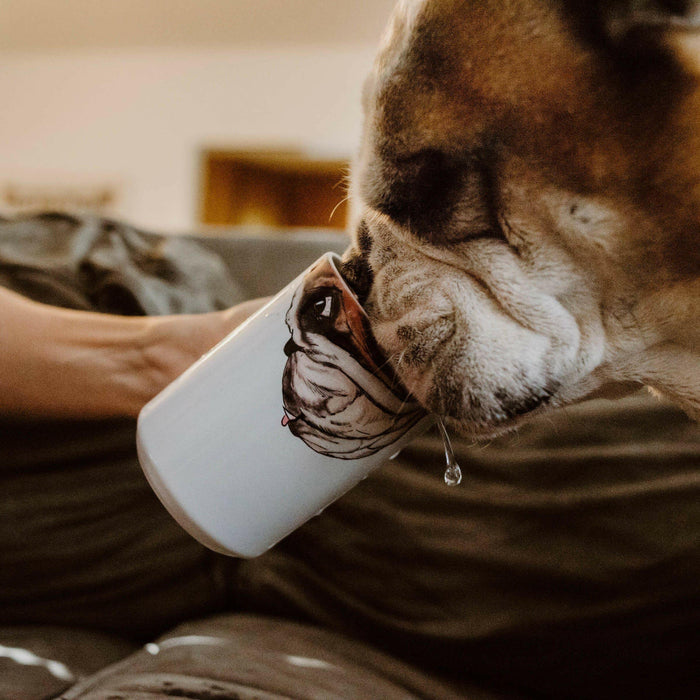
column 338, row 396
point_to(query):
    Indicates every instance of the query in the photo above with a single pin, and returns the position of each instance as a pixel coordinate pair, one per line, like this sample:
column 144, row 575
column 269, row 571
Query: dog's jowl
column 527, row 204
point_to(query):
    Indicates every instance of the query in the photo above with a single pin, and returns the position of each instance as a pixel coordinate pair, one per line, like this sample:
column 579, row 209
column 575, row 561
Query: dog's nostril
column 290, row 347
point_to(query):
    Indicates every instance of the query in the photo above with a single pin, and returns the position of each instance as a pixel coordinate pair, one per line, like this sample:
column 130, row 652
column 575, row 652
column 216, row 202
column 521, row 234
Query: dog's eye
column 442, row 198
column 323, row 308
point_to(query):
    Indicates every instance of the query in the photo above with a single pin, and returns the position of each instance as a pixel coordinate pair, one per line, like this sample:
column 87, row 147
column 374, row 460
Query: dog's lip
column 483, row 430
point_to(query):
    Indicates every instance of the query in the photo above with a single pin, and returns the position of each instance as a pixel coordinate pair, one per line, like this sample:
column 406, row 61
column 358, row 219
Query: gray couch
column 565, row 566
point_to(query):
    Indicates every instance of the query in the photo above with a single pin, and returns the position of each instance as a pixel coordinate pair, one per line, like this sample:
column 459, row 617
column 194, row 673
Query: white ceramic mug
column 280, row 419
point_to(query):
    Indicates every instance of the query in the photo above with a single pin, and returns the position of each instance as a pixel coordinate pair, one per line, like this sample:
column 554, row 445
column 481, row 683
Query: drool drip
column 453, row 473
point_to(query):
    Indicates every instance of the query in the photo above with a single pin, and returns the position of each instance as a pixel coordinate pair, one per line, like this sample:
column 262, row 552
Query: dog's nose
column 291, row 347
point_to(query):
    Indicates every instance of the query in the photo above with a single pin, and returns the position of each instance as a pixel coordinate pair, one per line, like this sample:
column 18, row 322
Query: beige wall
column 45, row 24
column 137, row 119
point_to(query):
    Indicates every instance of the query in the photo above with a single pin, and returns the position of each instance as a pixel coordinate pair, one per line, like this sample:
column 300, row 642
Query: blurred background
column 184, row 115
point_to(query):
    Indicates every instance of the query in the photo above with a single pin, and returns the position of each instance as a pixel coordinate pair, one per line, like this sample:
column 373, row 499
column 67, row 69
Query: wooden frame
column 272, row 188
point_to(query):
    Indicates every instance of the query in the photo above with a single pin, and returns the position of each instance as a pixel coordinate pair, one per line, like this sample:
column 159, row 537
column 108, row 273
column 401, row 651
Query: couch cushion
column 262, row 261
column 41, row 662
column 246, row 657
column 565, row 565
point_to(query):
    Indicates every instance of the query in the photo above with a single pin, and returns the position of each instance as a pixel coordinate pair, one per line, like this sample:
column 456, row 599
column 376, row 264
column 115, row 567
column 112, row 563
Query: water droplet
column 453, row 473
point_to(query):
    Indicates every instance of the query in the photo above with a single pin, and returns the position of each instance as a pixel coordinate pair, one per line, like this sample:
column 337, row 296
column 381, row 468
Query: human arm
column 58, row 362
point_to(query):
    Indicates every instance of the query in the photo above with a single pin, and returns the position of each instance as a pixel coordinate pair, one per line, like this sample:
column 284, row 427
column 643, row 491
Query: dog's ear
column 622, row 18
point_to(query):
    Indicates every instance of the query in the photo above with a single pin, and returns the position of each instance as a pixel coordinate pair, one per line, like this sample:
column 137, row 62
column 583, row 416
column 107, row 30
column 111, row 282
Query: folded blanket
column 104, row 265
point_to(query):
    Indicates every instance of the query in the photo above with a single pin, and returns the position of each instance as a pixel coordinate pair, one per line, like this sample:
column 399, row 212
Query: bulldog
column 526, row 204
column 339, row 396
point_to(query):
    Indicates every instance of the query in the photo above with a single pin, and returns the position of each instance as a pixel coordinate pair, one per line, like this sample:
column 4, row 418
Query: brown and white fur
column 527, row 204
